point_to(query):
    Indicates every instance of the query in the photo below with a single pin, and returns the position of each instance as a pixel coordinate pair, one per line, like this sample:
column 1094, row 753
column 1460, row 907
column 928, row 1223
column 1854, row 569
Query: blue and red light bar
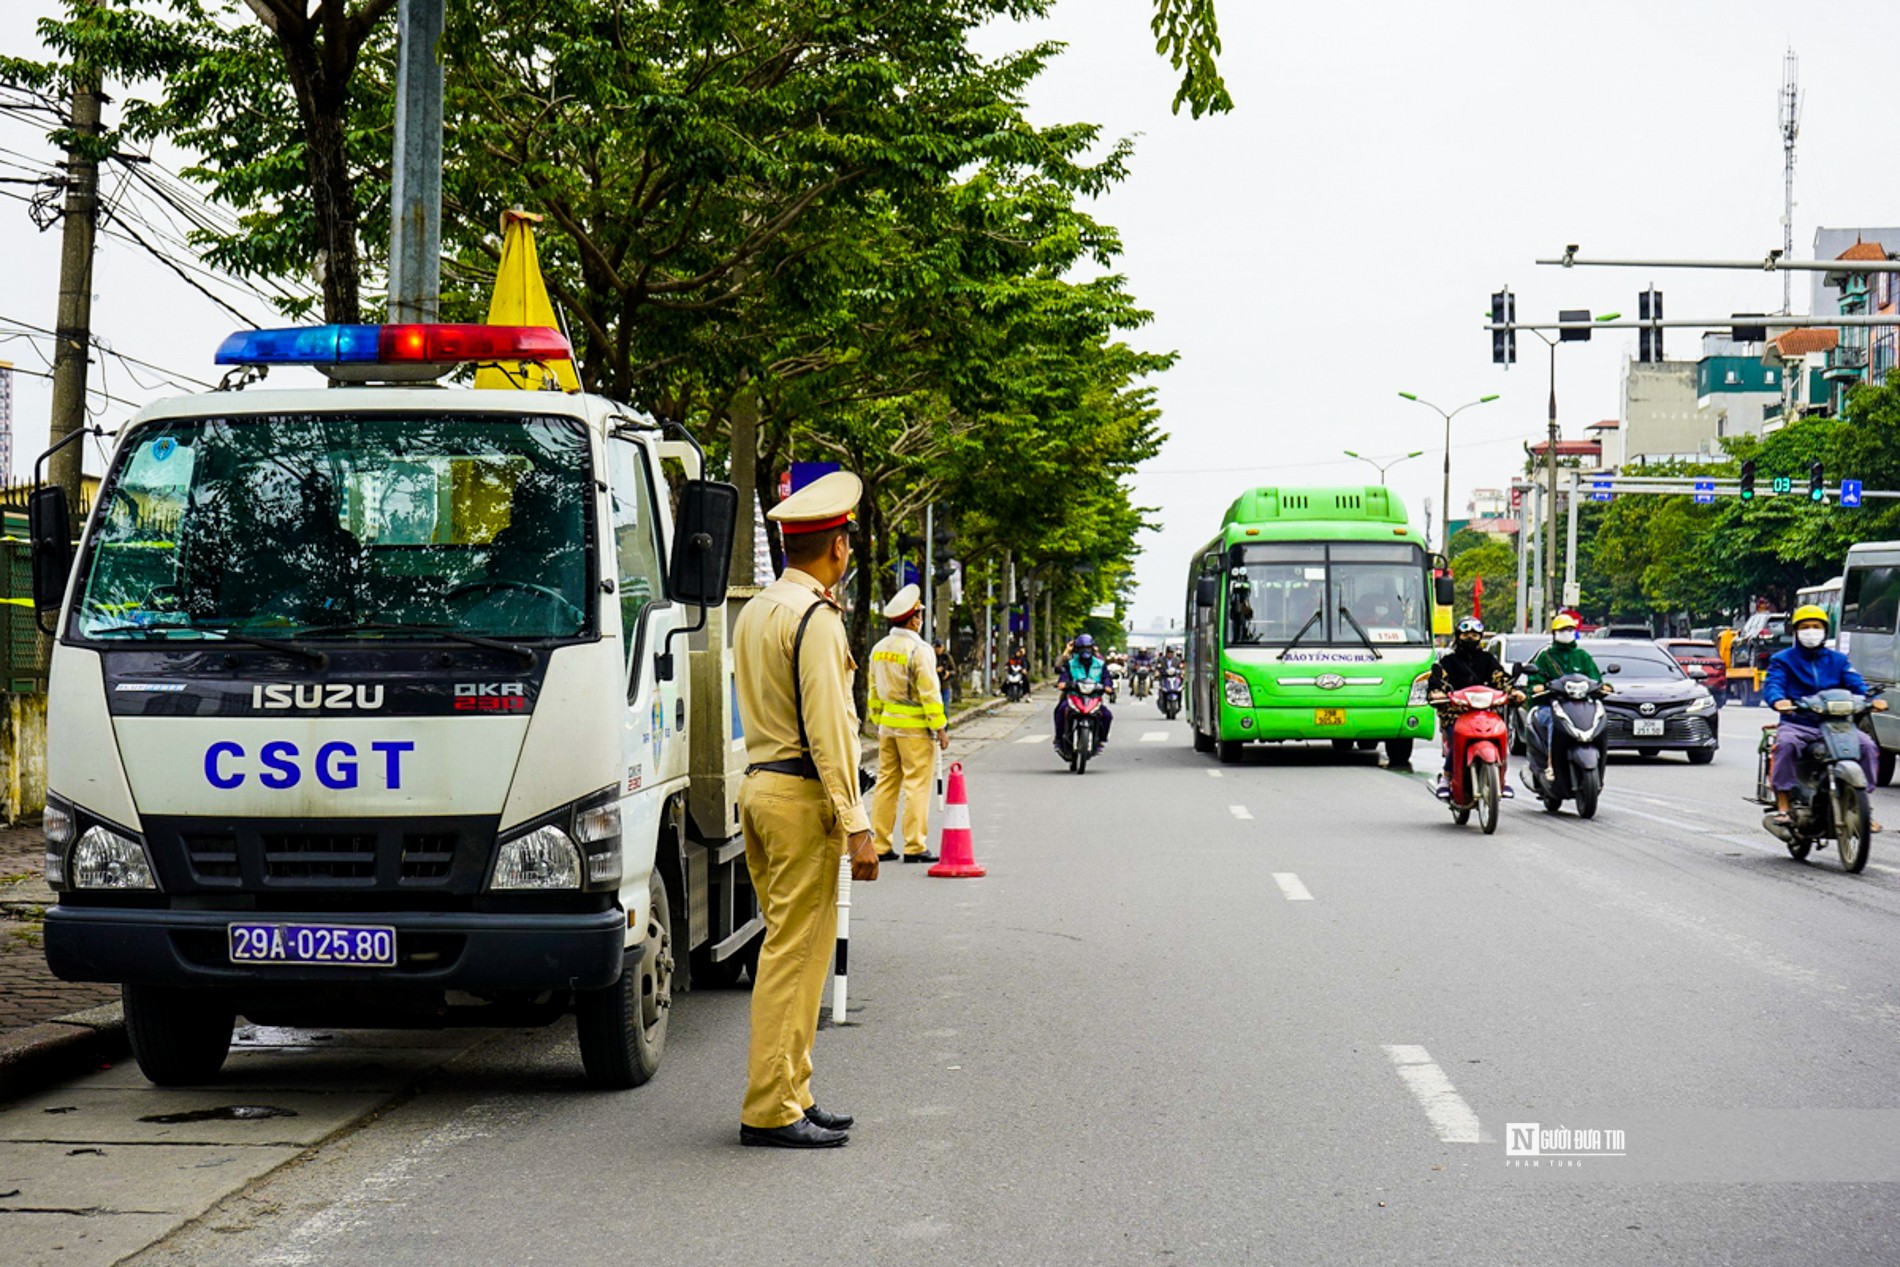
column 394, row 345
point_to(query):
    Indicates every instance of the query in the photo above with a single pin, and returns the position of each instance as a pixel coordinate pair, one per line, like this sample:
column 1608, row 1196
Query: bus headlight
column 1239, row 694
column 1419, row 685
column 104, row 859
column 544, row 858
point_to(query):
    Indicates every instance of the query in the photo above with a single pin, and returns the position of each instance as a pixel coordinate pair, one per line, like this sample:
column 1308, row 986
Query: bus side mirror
column 1444, row 591
column 702, row 543
column 1205, row 591
column 49, row 528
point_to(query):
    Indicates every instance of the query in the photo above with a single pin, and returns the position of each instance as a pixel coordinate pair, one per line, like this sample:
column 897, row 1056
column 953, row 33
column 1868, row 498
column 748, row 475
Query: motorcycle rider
column 1564, row 655
column 1799, row 671
column 1468, row 664
column 1080, row 663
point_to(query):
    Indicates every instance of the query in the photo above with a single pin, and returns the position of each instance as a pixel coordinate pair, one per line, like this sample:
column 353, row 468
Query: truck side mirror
column 49, row 528
column 702, row 543
column 1444, row 591
column 1205, row 591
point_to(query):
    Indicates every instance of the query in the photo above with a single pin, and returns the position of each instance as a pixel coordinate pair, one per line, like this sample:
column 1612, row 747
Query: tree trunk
column 322, row 106
column 861, row 544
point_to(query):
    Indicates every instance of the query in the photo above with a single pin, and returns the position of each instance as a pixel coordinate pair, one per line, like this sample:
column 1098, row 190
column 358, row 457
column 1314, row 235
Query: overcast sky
column 1335, row 240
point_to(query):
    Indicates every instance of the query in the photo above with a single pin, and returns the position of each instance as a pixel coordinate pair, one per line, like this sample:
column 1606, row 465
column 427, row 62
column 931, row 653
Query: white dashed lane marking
column 1450, row 1116
column 1155, row 736
column 1240, row 811
column 1291, row 887
column 1036, row 739
column 1213, row 774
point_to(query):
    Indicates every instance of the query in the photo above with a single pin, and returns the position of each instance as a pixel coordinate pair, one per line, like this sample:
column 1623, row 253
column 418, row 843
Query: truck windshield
column 1276, row 591
column 288, row 524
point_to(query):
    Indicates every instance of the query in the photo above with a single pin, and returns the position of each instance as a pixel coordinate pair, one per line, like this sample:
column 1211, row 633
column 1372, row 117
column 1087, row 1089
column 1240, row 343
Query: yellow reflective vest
column 905, row 693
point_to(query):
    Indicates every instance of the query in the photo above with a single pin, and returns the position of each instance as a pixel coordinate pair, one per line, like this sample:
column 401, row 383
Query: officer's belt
column 797, row 767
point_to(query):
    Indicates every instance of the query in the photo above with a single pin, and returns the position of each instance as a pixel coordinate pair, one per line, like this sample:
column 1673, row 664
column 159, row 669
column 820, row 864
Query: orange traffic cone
column 957, row 849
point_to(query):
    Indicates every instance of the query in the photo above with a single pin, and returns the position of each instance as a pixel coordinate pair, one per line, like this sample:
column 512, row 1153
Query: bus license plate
column 1648, row 727
column 1329, row 717
column 345, row 946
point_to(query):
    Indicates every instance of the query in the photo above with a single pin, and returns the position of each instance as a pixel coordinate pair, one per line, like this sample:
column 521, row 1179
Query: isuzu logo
column 318, row 696
column 1329, row 681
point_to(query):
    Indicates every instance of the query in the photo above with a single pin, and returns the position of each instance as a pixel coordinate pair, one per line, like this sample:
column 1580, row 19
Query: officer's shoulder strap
column 798, row 678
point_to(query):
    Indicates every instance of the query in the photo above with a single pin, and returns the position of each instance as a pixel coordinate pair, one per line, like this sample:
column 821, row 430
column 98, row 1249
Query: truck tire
column 622, row 1028
column 179, row 1037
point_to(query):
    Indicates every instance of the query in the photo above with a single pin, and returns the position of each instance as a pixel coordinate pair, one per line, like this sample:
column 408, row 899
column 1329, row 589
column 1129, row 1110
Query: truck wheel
column 622, row 1028
column 1398, row 751
column 180, row 1037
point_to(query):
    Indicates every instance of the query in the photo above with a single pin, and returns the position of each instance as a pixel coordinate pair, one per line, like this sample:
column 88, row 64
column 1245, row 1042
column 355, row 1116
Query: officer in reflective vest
column 799, row 805
column 907, row 709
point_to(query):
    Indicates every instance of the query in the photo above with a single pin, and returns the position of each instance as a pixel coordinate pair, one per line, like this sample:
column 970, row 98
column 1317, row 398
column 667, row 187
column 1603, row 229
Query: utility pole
column 1790, row 130
column 415, row 193
column 72, row 345
column 929, row 577
column 1550, row 514
column 1570, row 542
column 1523, row 555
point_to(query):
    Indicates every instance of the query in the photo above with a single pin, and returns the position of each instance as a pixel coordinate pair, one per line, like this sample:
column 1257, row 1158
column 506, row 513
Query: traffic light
column 1748, row 480
column 908, row 544
column 1748, row 334
column 1817, row 487
column 1580, row 335
column 1649, row 341
column 945, row 569
column 1503, row 342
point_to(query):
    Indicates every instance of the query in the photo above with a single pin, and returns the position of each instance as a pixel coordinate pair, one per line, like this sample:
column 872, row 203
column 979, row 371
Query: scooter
column 1480, row 739
column 1829, row 799
column 1171, row 688
column 1086, row 707
column 1016, row 684
column 1582, row 745
column 1138, row 683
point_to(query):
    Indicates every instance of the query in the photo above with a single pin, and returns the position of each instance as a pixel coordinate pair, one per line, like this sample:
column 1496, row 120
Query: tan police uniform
column 907, row 708
column 795, row 807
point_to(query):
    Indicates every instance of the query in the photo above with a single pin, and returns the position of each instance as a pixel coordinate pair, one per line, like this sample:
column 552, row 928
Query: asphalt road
column 1277, row 1012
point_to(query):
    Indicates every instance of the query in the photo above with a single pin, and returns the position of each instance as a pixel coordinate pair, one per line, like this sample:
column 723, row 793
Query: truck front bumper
column 434, row 950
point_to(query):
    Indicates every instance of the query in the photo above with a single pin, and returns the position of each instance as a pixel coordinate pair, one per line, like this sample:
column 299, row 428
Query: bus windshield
column 292, row 524
column 1328, row 595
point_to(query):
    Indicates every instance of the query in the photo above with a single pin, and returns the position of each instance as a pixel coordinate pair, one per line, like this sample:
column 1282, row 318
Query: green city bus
column 1311, row 616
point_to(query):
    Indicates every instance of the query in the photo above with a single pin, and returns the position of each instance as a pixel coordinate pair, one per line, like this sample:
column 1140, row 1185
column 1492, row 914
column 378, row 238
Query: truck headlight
column 104, row 859
column 1419, row 690
column 544, row 858
column 1239, row 694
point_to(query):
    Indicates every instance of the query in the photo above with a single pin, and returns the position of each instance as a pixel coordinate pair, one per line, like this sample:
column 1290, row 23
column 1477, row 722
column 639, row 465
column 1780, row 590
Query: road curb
column 975, row 711
column 53, row 1051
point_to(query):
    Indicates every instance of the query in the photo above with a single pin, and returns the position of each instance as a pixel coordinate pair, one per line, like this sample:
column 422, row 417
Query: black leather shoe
column 925, row 856
column 830, row 1121
column 803, row 1133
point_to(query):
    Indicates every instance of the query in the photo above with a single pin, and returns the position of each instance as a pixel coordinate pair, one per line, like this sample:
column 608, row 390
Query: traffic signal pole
column 415, row 194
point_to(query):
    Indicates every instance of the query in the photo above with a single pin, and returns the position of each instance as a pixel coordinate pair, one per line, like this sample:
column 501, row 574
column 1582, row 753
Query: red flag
column 1477, row 597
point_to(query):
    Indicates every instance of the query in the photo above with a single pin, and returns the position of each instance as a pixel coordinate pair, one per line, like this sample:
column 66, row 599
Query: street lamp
column 1445, row 542
column 1551, row 596
column 1383, row 467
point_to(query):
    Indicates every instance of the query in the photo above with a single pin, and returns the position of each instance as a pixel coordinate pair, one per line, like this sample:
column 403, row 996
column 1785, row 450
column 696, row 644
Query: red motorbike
column 1086, row 709
column 1479, row 741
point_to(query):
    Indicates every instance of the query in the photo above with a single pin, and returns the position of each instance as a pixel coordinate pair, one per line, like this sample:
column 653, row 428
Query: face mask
column 1810, row 637
column 1566, row 636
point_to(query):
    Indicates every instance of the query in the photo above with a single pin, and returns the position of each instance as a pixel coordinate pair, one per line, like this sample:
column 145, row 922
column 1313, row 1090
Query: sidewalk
column 32, row 999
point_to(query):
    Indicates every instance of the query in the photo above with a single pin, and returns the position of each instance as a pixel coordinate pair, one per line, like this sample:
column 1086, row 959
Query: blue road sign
column 1850, row 494
column 1600, row 491
column 1704, row 492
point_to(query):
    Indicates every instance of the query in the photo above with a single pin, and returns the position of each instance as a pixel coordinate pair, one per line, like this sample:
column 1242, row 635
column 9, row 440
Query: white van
column 1870, row 632
column 367, row 708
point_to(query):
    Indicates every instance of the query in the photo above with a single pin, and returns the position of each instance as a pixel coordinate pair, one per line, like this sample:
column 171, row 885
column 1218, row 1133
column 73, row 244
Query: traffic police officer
column 799, row 805
column 907, row 709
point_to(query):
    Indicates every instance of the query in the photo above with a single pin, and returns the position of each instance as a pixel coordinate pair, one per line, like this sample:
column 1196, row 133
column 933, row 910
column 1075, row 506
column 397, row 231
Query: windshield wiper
column 1295, row 640
column 314, row 656
column 1361, row 631
column 422, row 631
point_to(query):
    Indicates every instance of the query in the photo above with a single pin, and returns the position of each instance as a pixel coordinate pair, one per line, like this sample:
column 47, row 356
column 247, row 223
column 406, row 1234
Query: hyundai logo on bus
column 336, row 765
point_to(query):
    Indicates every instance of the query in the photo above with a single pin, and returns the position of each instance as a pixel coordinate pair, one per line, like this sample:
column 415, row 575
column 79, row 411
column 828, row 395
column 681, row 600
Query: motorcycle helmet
column 1084, row 642
column 1562, row 621
column 1470, row 627
column 1809, row 612
column 1809, row 615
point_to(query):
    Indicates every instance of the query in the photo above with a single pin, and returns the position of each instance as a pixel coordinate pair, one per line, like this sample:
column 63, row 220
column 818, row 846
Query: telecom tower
column 6, row 423
column 1790, row 129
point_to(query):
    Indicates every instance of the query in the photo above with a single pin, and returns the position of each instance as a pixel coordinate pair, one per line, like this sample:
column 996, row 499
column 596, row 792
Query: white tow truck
column 394, row 704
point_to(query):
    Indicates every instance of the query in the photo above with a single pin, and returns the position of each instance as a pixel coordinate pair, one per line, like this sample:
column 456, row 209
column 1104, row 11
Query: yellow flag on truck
column 521, row 299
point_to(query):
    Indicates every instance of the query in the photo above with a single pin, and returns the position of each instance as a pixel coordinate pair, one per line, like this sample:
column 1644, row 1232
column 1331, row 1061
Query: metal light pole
column 1552, row 597
column 1444, row 544
column 415, row 191
column 1383, row 467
